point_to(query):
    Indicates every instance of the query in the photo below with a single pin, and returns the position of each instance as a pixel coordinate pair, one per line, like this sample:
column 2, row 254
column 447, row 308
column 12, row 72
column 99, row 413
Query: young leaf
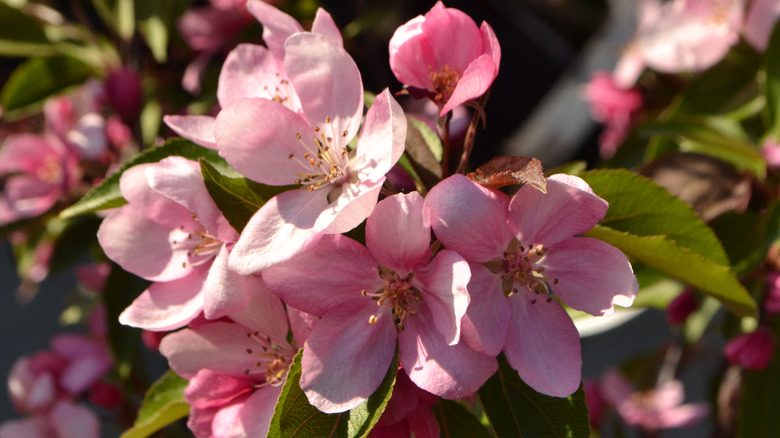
column 516, row 410
column 295, row 417
column 237, row 198
column 422, row 146
column 163, row 404
column 20, row 34
column 648, row 223
column 107, row 195
column 40, row 78
column 455, row 421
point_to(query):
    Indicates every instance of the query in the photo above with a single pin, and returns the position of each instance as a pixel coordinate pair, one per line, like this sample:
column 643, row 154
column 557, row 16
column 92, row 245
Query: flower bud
column 124, row 93
column 752, row 351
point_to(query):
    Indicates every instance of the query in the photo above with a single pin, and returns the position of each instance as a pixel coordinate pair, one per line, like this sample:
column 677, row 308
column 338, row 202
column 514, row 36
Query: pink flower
column 369, row 298
column 445, row 53
column 272, row 144
column 659, row 408
column 75, row 119
column 771, row 152
column 680, row 36
column 124, row 93
column 752, row 351
column 760, row 21
column 236, row 368
column 252, row 70
column 407, row 412
column 613, row 106
column 522, row 249
column 65, row 420
column 172, row 233
column 37, row 172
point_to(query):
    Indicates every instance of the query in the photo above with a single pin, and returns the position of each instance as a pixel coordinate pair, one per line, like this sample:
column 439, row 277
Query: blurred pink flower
column 772, row 300
column 613, row 106
column 771, row 152
column 371, row 298
column 760, row 21
column 523, row 256
column 681, row 307
column 445, row 53
column 656, row 409
column 124, row 93
column 752, row 351
column 64, row 420
column 408, row 412
column 76, row 120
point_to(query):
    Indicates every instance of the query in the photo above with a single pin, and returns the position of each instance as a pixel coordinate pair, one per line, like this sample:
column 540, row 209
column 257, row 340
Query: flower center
column 397, row 293
column 444, row 82
column 274, row 361
column 280, row 92
column 201, row 246
column 50, row 171
column 520, row 266
column 326, row 162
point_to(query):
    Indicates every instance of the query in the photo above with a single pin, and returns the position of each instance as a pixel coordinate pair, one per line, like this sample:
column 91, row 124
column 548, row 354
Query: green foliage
column 37, row 79
column 747, row 236
column 295, row 417
column 20, row 34
column 422, row 154
column 107, row 195
column 163, row 404
column 121, row 289
column 648, row 223
column 455, row 421
column 516, row 410
column 772, row 83
column 237, row 198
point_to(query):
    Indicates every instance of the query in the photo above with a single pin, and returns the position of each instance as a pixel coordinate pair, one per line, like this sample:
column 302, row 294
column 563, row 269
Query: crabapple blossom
column 372, row 297
column 656, row 409
column 173, row 234
column 272, row 144
column 760, row 21
column 524, row 259
column 407, row 412
column 236, row 367
column 447, row 55
column 613, row 106
column 752, row 351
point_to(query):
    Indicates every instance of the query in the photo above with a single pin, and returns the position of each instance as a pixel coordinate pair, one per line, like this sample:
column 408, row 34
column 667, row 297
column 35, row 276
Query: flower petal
column 398, row 232
column 590, row 275
column 281, row 229
column 225, row 291
column 167, row 306
column 249, row 419
column 251, row 70
column 485, row 324
column 410, row 55
column 346, row 357
column 277, row 25
column 264, row 313
column 354, row 204
column 453, row 37
column 469, row 219
column 543, row 345
column 70, row 420
column 199, row 129
column 324, row 24
column 475, row 81
column 444, row 291
column 382, row 139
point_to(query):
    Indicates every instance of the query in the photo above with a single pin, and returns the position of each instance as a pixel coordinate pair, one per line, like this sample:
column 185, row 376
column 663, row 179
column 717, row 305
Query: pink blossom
column 272, row 144
column 659, row 408
column 613, row 106
column 252, row 70
column 124, row 93
column 236, row 368
column 37, row 172
column 752, row 351
column 445, row 53
column 680, row 36
column 75, row 119
column 595, row 401
column 771, row 152
column 408, row 412
column 172, row 233
column 65, row 420
column 369, row 298
column 524, row 259
column 760, row 21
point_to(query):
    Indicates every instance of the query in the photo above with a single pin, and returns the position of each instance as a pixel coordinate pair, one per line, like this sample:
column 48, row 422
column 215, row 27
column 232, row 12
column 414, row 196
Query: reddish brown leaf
column 507, row 170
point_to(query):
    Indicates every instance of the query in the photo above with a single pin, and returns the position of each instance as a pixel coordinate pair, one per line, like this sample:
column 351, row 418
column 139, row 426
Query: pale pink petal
column 443, row 286
column 453, row 36
column 354, row 204
column 251, row 418
column 168, row 305
column 543, row 345
column 485, row 324
column 590, row 275
column 209, row 389
column 398, row 232
column 135, row 188
column 221, row 347
column 251, row 71
column 259, row 138
column 469, row 219
column 629, row 67
column 760, row 22
column 225, row 291
column 490, row 45
column 684, row 415
column 281, row 229
column 83, row 372
column 346, row 357
column 616, row 388
column 567, row 209
column 448, row 371
column 42, row 392
column 277, row 25
column 33, row 427
column 192, row 77
column 70, row 420
column 410, row 55
column 264, row 313
column 476, row 79
column 382, row 139
column 327, row 81
column 340, row 267
column 324, row 24
column 73, row 346
column 198, row 129
column 301, row 324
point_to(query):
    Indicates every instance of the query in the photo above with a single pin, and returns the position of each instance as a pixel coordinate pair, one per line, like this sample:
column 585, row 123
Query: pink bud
column 752, row 351
column 105, row 395
column 152, row 339
column 681, row 307
column 123, row 91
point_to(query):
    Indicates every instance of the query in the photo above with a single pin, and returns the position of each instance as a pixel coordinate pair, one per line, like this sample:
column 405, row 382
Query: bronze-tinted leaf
column 507, row 170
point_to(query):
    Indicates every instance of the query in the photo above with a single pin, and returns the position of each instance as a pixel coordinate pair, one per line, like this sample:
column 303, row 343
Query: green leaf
column 21, row 35
column 119, row 15
column 163, row 404
column 772, row 82
column 747, row 236
column 295, row 417
column 760, row 398
column 421, row 148
column 516, row 410
column 455, row 421
column 107, row 195
column 154, row 22
column 40, row 78
column 125, row 342
column 646, row 222
column 237, row 198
